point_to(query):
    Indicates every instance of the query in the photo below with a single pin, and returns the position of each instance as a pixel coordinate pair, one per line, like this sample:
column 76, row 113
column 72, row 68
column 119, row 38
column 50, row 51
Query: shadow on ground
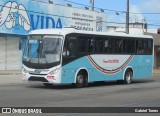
column 91, row 85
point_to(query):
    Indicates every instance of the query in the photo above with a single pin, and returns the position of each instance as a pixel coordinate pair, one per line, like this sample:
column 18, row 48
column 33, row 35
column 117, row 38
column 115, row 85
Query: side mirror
column 20, row 44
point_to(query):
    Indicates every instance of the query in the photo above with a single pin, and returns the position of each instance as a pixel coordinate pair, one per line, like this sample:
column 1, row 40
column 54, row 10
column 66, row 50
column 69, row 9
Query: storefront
column 19, row 17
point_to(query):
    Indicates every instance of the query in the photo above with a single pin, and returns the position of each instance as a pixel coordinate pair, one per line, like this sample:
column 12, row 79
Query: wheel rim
column 80, row 79
column 128, row 77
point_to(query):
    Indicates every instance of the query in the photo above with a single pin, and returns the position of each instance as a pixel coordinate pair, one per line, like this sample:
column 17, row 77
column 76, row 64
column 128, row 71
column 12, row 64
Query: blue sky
column 136, row 6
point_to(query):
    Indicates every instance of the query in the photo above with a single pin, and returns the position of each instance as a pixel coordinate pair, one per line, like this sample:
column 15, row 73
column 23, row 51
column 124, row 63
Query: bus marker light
column 50, row 77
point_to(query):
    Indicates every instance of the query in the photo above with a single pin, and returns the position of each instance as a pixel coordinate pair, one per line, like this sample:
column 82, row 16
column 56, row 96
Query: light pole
column 127, row 18
column 92, row 4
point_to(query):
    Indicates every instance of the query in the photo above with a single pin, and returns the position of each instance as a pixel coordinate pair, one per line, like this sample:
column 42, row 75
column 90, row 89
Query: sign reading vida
column 20, row 17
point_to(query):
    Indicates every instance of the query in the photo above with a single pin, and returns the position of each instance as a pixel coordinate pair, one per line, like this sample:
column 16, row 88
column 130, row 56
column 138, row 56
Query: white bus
column 70, row 56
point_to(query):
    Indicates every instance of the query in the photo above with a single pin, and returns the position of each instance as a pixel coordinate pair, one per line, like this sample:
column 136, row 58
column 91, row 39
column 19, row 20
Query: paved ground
column 142, row 93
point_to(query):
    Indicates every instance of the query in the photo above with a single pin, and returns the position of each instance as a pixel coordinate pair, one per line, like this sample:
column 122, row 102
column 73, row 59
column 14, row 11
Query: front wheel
column 48, row 84
column 128, row 76
column 81, row 80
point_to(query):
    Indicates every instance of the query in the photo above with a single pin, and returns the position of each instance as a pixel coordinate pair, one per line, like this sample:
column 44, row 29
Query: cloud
column 135, row 17
column 151, row 5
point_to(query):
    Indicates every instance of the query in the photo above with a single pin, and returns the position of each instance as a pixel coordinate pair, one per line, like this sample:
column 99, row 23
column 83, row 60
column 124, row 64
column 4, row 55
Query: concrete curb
column 11, row 72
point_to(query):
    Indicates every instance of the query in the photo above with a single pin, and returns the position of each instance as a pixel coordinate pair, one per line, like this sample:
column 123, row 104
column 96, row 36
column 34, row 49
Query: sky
column 136, row 6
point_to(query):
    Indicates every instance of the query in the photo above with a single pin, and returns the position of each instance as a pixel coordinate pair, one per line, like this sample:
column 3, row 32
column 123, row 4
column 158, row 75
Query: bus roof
column 65, row 31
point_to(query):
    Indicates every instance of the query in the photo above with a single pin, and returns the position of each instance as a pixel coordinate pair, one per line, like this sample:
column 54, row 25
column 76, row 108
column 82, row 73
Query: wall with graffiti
column 21, row 16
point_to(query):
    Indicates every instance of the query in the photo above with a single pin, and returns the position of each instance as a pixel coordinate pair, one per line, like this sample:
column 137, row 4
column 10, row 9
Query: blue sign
column 21, row 16
column 17, row 17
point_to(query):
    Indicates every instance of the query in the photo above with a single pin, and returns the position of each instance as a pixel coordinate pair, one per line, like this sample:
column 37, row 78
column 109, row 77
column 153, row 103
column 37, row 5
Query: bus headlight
column 54, row 71
column 24, row 70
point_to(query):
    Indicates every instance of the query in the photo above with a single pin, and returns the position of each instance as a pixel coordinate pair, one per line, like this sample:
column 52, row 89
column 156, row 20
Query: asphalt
column 17, row 93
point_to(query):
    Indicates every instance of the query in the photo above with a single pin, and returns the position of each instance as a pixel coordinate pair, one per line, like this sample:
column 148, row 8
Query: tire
column 48, row 84
column 128, row 77
column 81, row 80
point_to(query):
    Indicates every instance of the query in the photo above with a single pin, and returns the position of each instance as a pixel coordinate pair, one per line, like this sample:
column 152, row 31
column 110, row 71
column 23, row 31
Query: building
column 19, row 17
column 156, row 49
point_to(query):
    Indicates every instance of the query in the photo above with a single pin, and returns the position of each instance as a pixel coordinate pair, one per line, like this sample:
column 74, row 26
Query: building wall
column 10, row 56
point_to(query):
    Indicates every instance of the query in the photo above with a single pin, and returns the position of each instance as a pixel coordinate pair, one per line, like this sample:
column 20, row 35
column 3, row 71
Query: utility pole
column 127, row 18
column 92, row 4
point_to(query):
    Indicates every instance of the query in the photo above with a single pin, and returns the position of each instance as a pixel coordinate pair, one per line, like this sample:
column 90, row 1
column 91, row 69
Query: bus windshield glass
column 42, row 51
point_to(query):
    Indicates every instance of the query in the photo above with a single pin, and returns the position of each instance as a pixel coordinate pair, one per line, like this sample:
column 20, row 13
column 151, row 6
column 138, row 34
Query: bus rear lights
column 50, row 77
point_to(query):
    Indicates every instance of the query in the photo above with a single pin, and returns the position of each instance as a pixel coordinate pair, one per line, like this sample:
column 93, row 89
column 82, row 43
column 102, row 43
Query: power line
column 119, row 23
column 149, row 13
column 110, row 10
column 94, row 7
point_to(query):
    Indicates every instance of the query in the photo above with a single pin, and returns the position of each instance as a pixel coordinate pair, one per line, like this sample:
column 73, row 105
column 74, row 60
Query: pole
column 92, row 4
column 127, row 18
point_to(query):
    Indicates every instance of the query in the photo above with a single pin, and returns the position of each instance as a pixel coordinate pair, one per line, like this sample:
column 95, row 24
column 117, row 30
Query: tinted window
column 148, row 46
column 83, row 43
column 70, row 47
column 106, row 45
column 99, row 45
column 91, row 45
column 129, row 46
column 115, row 46
column 140, row 46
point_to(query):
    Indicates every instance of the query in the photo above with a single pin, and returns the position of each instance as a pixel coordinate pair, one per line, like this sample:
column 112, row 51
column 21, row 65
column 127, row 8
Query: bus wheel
column 48, row 84
column 80, row 80
column 128, row 76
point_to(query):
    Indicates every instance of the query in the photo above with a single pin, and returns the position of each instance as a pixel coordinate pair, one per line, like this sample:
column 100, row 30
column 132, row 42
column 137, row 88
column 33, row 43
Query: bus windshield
column 42, row 51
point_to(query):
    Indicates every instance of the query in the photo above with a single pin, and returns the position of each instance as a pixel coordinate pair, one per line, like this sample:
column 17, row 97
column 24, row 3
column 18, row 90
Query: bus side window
column 116, row 46
column 65, row 49
column 140, row 46
column 72, row 46
column 91, row 45
column 119, row 46
column 129, row 46
column 148, row 47
column 99, row 45
column 83, row 44
column 106, row 45
column 69, row 47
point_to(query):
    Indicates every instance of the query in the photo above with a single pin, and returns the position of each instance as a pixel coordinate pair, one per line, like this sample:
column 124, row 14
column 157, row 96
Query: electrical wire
column 119, row 23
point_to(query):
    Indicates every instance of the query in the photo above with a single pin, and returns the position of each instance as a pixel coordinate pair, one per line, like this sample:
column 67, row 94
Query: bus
column 70, row 56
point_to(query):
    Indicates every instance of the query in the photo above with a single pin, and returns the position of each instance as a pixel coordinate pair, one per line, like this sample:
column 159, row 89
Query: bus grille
column 38, row 79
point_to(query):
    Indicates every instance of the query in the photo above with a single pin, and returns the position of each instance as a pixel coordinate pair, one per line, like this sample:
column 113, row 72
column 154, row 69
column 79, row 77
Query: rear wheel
column 128, row 77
